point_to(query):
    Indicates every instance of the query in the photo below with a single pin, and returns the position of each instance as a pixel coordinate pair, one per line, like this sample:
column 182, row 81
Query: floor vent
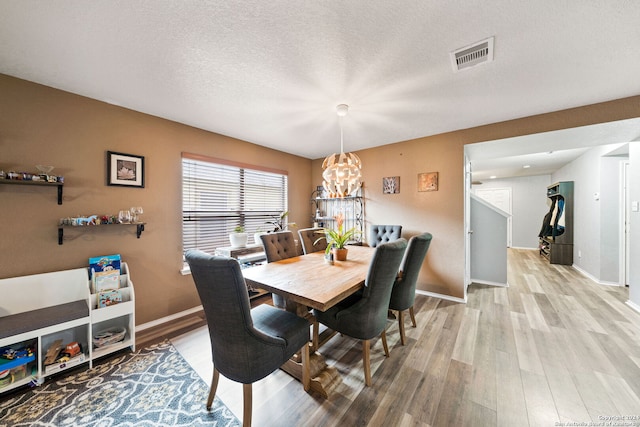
column 473, row 55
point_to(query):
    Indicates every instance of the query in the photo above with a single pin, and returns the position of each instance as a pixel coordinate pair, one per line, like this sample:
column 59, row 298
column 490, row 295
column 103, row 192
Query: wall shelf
column 40, row 183
column 139, row 228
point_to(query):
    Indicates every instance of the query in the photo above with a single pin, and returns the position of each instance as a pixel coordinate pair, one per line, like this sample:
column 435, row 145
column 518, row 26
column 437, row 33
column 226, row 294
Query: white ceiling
column 544, row 153
column 272, row 72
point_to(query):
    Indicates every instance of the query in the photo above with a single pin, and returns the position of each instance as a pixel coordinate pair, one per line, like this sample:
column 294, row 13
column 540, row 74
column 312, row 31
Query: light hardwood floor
column 552, row 348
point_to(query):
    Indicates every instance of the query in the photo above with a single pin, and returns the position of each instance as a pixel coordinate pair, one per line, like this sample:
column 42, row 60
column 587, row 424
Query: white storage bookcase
column 118, row 315
column 39, row 309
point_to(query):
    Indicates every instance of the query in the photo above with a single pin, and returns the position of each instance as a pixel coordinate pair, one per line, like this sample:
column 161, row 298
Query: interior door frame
column 624, row 210
column 467, row 224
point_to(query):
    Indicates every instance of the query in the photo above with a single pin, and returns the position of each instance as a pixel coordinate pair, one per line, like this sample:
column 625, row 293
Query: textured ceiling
column 544, row 153
column 272, row 72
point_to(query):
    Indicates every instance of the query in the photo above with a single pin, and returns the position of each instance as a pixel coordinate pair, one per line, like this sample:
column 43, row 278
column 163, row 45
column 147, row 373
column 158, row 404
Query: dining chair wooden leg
column 413, row 316
column 214, row 387
column 246, row 416
column 366, row 362
column 401, row 326
column 306, row 368
column 383, row 335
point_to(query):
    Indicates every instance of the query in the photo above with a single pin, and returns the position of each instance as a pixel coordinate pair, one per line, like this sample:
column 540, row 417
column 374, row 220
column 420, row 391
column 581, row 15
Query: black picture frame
column 125, row 170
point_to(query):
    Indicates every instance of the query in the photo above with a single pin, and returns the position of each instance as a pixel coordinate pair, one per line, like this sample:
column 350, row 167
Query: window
column 218, row 196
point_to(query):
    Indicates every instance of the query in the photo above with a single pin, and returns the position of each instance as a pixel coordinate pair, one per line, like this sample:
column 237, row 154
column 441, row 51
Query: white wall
column 634, row 257
column 590, row 177
column 610, row 216
column 529, row 206
column 488, row 243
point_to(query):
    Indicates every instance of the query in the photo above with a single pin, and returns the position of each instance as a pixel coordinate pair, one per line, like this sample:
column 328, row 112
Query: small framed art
column 125, row 169
column 428, row 181
column 391, row 185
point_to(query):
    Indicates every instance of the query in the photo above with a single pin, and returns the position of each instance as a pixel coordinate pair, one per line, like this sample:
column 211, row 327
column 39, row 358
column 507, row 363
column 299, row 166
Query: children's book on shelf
column 104, row 272
column 105, row 263
column 110, row 297
column 106, row 280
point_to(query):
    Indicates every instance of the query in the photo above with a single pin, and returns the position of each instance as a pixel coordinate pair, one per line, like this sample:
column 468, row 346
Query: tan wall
column 41, row 125
column 441, row 212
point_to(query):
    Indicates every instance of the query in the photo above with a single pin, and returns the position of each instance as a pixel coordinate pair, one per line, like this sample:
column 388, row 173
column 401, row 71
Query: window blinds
column 217, row 197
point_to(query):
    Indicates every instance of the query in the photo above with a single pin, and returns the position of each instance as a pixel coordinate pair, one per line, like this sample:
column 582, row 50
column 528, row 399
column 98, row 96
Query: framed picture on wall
column 125, row 169
column 391, row 185
column 428, row 181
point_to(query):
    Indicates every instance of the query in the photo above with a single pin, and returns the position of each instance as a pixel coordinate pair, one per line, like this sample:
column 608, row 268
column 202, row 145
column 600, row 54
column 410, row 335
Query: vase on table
column 340, row 254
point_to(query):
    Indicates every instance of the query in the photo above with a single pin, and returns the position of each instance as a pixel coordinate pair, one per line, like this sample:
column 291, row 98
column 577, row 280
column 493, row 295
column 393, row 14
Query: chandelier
column 341, row 173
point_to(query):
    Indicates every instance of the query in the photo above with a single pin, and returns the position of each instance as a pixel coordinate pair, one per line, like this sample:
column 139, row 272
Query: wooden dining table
column 309, row 281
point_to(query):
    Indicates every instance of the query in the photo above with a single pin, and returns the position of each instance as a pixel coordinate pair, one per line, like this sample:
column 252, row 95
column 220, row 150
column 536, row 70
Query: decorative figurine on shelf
column 91, row 220
column 136, row 211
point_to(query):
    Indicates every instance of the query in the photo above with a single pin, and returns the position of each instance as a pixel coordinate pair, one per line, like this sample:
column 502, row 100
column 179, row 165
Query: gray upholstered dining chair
column 384, row 233
column 403, row 294
column 364, row 315
column 277, row 246
column 246, row 344
column 309, row 240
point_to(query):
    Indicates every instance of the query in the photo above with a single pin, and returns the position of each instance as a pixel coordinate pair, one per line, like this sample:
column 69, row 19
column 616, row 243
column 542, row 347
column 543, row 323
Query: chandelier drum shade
column 342, row 172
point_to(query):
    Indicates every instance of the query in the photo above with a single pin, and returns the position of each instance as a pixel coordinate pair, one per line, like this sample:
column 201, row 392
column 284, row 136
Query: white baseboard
column 633, row 305
column 193, row 310
column 487, row 282
column 168, row 319
column 593, row 278
column 526, row 249
column 441, row 296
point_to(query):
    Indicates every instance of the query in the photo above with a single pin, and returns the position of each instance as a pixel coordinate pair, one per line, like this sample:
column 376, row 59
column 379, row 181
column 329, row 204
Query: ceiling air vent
column 470, row 56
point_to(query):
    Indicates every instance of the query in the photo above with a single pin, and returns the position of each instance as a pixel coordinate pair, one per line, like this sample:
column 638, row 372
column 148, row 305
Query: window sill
column 185, row 270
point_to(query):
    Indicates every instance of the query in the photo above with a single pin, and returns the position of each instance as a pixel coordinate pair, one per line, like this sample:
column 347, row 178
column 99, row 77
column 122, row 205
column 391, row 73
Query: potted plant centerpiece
column 238, row 238
column 338, row 238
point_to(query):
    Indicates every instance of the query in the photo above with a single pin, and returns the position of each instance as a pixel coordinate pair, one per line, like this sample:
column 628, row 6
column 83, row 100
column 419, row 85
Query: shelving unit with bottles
column 325, row 209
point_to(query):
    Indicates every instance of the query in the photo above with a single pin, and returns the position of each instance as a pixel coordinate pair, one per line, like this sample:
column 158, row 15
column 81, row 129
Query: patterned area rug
column 152, row 387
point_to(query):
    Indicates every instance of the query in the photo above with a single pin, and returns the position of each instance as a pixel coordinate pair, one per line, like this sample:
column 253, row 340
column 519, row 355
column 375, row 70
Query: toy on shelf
column 59, row 353
column 52, row 352
column 12, row 354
